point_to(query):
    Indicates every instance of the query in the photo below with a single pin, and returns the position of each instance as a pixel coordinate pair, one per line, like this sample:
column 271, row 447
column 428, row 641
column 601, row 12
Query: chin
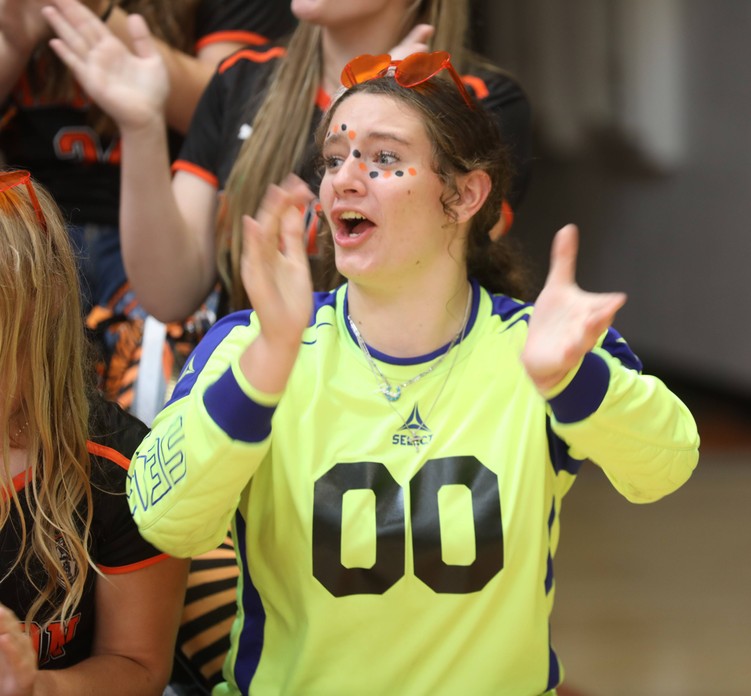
column 305, row 10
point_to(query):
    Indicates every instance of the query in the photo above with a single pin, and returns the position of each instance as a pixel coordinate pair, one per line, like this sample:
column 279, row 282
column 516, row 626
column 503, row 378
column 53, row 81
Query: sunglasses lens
column 419, row 67
column 10, row 179
column 364, row 68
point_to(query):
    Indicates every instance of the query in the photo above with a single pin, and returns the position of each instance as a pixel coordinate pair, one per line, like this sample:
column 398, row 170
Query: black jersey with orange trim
column 78, row 165
column 229, row 104
column 116, row 545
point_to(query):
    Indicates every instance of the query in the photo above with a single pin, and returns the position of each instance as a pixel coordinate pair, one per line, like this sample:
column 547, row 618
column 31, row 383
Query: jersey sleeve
column 631, row 425
column 242, row 21
column 118, row 547
column 222, row 118
column 199, row 154
column 186, row 477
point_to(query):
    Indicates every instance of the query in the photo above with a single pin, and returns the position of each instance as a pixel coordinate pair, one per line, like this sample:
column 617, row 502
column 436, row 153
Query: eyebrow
column 337, row 137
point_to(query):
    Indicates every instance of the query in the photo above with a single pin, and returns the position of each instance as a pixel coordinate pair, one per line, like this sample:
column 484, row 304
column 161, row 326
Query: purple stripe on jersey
column 200, row 355
column 250, row 640
column 616, row 345
column 559, row 455
column 549, row 573
column 583, row 396
column 236, row 413
column 554, row 670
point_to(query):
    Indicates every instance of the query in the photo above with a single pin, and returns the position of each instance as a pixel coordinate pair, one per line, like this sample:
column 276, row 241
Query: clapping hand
column 567, row 321
column 274, row 267
column 131, row 86
column 18, row 662
column 414, row 42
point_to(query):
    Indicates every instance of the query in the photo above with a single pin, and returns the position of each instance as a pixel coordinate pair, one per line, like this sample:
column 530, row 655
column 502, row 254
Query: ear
column 473, row 188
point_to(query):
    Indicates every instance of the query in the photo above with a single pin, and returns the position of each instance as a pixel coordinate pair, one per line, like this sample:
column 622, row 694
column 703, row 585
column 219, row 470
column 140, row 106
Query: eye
column 332, row 162
column 386, row 157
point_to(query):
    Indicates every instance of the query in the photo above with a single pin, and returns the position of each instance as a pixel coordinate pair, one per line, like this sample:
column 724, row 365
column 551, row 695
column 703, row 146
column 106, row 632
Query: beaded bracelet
column 107, row 12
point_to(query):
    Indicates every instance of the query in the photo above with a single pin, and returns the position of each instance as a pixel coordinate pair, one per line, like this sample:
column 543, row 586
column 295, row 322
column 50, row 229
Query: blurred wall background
column 643, row 139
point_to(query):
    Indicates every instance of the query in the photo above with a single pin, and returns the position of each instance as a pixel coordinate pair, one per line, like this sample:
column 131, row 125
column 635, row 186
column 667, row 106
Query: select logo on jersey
column 414, row 432
column 190, row 368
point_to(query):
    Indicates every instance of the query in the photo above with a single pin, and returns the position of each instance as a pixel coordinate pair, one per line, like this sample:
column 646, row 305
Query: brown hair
column 42, row 349
column 273, row 151
column 464, row 139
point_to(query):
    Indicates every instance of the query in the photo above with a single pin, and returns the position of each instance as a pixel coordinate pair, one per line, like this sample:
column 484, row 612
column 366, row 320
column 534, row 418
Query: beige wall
column 644, row 139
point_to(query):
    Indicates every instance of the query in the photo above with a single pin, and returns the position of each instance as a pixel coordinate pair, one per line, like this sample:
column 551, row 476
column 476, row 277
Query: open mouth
column 354, row 223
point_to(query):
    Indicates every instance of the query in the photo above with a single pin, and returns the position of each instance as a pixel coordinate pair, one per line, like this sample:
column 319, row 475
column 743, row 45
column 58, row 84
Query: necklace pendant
column 415, row 441
column 392, row 393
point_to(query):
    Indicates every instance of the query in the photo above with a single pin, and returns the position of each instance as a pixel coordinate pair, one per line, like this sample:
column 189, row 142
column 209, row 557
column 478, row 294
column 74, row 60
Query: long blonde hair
column 42, row 356
column 281, row 128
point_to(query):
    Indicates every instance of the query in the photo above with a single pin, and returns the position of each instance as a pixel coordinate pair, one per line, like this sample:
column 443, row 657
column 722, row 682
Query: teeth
column 351, row 215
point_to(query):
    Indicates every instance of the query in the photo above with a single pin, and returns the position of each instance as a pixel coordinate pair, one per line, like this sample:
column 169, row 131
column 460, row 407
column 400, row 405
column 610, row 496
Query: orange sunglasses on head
column 9, row 180
column 410, row 72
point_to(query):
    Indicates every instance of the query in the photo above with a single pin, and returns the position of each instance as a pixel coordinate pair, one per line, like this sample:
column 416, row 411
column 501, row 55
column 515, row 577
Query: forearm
column 13, row 60
column 186, row 476
column 267, row 365
column 640, row 434
column 165, row 265
column 121, row 675
column 188, row 76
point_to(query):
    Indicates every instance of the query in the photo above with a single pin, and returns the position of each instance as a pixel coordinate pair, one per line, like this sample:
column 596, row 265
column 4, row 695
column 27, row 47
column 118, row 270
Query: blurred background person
column 85, row 603
column 50, row 126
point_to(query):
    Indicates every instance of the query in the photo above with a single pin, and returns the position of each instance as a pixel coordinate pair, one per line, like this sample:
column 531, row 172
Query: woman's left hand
column 18, row 660
column 567, row 321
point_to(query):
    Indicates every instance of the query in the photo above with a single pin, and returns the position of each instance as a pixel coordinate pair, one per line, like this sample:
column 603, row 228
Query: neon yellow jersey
column 370, row 565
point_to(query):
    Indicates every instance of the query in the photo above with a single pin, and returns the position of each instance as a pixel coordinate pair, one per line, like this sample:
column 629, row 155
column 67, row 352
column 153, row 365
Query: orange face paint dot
column 386, row 175
column 352, row 135
column 412, row 171
column 335, row 129
column 362, row 166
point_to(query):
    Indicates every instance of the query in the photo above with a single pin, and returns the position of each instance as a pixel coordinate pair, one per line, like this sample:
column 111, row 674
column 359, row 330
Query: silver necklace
column 415, row 439
column 393, row 392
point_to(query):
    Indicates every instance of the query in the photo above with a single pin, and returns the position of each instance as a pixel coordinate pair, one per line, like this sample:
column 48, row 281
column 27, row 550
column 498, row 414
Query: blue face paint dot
column 356, row 153
column 344, row 126
column 399, row 172
column 373, row 175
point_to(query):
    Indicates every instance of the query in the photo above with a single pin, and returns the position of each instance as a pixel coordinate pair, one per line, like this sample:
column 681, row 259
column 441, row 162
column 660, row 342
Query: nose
column 350, row 176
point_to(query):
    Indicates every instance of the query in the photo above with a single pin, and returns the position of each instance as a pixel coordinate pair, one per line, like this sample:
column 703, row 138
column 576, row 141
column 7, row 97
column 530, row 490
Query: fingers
column 143, row 42
column 415, row 42
column 563, row 256
column 75, row 24
column 278, row 224
column 602, row 313
column 16, row 649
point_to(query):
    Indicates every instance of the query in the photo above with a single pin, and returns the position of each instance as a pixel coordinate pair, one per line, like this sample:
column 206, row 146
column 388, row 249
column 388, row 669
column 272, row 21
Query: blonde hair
column 281, row 128
column 42, row 348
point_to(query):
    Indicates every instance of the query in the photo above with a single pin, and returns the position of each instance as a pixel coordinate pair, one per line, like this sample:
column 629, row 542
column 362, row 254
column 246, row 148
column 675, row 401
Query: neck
column 339, row 45
column 18, row 462
column 407, row 324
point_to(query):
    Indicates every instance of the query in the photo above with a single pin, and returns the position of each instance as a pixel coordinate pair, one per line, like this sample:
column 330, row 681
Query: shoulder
column 492, row 84
column 254, row 20
column 508, row 310
column 114, row 434
column 250, row 61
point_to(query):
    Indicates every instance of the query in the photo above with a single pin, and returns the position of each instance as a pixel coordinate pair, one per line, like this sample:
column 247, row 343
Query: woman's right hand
column 131, row 86
column 18, row 661
column 276, row 275
column 274, row 267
